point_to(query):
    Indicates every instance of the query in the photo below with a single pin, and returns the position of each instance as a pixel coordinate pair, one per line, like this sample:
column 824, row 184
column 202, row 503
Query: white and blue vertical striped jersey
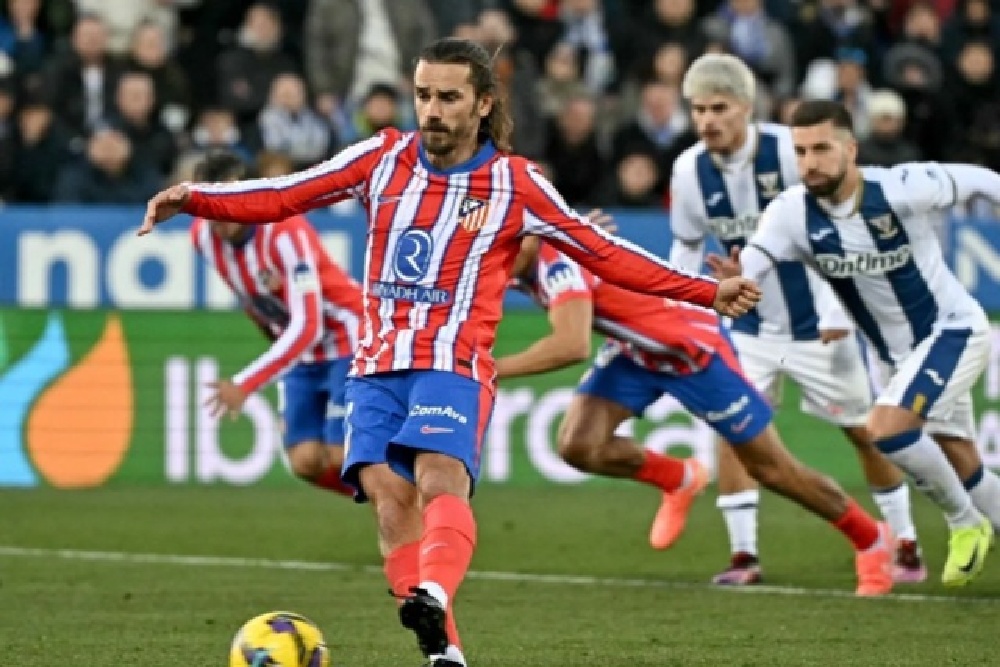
column 879, row 250
column 723, row 197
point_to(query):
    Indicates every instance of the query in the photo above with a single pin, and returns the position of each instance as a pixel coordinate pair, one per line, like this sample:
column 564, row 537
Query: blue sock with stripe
column 919, row 456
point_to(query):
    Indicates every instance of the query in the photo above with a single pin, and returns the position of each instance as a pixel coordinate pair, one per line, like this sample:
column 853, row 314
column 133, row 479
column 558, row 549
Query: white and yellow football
column 279, row 639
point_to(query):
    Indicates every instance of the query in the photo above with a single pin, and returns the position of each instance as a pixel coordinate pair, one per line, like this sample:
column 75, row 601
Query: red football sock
column 859, row 527
column 402, row 568
column 663, row 472
column 331, row 481
column 451, row 628
column 448, row 542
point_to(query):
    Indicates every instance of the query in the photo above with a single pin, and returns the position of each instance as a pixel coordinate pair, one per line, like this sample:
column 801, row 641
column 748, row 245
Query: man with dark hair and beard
column 447, row 208
column 869, row 231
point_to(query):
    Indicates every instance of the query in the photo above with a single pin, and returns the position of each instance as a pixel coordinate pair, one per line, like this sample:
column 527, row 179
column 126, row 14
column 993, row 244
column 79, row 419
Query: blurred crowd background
column 106, row 101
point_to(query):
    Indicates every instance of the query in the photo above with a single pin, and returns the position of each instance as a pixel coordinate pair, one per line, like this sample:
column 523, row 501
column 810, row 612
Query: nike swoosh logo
column 740, row 427
column 431, row 547
column 821, row 234
column 968, row 567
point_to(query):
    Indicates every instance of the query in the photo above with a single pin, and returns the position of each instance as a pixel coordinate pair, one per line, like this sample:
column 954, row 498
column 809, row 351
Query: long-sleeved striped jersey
column 659, row 334
column 441, row 244
column 287, row 283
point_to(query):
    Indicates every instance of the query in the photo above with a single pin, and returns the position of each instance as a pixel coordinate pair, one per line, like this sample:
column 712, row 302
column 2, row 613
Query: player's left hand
column 228, row 398
column 725, row 267
column 833, row 335
column 164, row 205
column 736, row 296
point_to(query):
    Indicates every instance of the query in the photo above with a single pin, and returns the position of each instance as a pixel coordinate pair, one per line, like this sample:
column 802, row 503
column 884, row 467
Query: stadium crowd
column 106, row 101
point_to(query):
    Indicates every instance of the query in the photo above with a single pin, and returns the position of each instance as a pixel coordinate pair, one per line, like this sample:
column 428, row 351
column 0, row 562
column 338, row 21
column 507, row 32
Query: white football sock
column 740, row 512
column 894, row 504
column 453, row 653
column 921, row 458
column 984, row 488
column 435, row 591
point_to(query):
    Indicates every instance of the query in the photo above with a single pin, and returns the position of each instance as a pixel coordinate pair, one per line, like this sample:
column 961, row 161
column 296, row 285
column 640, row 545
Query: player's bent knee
column 888, row 421
column 307, row 460
column 578, row 441
column 440, row 474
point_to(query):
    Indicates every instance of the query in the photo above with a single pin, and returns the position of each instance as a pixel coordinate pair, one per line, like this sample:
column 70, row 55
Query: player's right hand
column 164, row 205
column 736, row 296
column 603, row 220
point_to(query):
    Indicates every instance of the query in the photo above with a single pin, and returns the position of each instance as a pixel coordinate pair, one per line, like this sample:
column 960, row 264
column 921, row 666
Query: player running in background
column 798, row 329
column 656, row 347
column 868, row 231
column 309, row 309
column 447, row 207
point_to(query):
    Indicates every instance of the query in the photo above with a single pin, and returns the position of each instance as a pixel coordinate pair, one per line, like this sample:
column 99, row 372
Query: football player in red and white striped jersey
column 447, row 207
column 659, row 347
column 309, row 309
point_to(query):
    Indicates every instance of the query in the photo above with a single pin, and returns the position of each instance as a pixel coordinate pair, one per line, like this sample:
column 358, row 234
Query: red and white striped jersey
column 441, row 245
column 287, row 283
column 659, row 334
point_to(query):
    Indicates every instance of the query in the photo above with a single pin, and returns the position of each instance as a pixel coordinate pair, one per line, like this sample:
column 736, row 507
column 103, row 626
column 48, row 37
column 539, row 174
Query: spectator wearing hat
column 886, row 145
column 913, row 68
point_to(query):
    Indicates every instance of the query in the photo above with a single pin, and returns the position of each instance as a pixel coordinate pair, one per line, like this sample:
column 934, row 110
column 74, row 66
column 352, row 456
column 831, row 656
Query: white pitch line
column 518, row 577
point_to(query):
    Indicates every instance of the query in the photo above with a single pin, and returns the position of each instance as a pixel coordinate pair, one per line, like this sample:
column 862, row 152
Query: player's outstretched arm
column 567, row 344
column 973, row 181
column 266, row 200
column 618, row 261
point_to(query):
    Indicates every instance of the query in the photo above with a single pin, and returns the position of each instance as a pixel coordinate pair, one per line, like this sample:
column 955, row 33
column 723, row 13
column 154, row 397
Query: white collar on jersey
column 741, row 155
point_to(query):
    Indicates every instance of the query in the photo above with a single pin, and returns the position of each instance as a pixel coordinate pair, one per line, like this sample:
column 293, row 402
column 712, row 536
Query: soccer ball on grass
column 279, row 639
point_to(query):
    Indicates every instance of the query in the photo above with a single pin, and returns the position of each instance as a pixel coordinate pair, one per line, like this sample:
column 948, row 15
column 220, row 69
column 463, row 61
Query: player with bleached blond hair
column 799, row 329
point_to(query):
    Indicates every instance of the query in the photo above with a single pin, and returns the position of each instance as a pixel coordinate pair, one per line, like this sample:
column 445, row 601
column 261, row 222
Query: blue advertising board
column 87, row 257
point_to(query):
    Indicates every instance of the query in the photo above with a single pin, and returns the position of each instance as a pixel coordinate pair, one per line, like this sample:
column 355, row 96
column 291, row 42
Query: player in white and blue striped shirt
column 799, row 330
column 869, row 231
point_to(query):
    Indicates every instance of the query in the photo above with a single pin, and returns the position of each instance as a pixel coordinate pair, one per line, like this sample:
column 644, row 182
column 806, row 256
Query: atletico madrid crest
column 473, row 214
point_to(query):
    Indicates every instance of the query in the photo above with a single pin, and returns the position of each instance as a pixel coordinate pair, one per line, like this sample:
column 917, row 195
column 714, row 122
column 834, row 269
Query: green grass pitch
column 615, row 602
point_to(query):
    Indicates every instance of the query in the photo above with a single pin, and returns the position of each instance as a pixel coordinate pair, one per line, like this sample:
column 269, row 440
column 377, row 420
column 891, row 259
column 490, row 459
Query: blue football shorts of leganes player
column 719, row 394
column 392, row 417
column 311, row 401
